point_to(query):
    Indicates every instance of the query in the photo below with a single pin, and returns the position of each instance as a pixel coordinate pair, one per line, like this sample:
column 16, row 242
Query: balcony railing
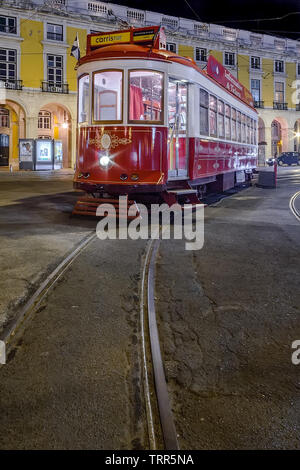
column 279, row 105
column 51, row 87
column 298, row 107
column 259, row 104
column 11, row 84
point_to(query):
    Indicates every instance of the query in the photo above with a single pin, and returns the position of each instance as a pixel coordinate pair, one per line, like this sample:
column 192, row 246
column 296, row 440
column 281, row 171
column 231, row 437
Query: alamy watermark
column 296, row 353
column 2, row 353
column 159, row 221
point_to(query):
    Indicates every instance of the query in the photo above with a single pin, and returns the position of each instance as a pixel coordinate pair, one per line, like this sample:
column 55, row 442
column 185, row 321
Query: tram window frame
column 204, row 108
column 89, row 96
column 162, row 110
column 228, row 116
column 213, row 111
column 238, row 126
column 221, row 119
column 233, row 125
column 243, row 129
column 111, row 121
column 248, row 130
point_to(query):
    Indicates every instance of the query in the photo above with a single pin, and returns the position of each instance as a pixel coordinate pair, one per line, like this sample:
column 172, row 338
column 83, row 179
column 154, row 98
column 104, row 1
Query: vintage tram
column 154, row 126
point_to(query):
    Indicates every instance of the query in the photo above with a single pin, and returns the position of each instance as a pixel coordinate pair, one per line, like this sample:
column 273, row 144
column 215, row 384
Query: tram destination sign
column 153, row 35
column 113, row 38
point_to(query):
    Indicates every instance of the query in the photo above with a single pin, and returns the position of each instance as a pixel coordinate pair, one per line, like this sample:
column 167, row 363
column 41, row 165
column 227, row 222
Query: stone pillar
column 74, row 142
column 32, row 127
column 268, row 147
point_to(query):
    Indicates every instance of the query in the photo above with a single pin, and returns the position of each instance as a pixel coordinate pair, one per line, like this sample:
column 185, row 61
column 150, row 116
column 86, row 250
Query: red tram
column 154, row 126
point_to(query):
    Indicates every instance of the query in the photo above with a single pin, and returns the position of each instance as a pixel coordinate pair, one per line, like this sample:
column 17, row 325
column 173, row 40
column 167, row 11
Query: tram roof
column 137, row 51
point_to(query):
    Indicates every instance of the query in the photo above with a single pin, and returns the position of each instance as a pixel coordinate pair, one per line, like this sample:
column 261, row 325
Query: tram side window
column 238, row 126
column 213, row 116
column 83, row 98
column 233, row 124
column 248, row 130
column 108, row 86
column 221, row 128
column 145, row 96
column 254, row 132
column 243, row 129
column 203, row 112
column 227, row 122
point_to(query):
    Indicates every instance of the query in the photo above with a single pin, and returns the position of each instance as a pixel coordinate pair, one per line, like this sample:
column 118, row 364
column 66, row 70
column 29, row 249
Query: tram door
column 177, row 138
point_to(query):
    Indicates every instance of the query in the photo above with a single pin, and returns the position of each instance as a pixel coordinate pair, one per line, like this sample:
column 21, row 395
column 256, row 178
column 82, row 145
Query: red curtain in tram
column 136, row 108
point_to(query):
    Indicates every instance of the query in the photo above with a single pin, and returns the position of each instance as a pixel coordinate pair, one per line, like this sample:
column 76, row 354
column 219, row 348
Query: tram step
column 88, row 206
column 182, row 192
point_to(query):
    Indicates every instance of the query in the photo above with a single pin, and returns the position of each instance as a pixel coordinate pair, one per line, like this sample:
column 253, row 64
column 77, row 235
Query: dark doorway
column 4, row 149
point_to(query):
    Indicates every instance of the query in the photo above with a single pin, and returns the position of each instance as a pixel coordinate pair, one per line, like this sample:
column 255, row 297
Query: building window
column 44, row 121
column 201, row 54
column 279, row 66
column 279, row 92
column 145, row 96
column 55, row 32
column 108, row 96
column 8, row 24
column 229, row 58
column 4, row 117
column 255, row 63
column 203, row 112
column 298, row 68
column 255, row 89
column 8, row 64
column 171, row 46
column 55, row 69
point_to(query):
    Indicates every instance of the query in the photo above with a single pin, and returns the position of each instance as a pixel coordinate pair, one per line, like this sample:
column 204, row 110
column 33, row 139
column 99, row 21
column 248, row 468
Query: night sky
column 228, row 12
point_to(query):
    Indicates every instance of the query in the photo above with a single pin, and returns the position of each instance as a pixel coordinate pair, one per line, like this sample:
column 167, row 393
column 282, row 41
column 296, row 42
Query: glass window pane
column 83, row 98
column 145, row 96
column 108, row 95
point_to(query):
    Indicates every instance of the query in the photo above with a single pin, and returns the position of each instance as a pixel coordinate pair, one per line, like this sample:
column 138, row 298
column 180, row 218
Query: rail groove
column 164, row 407
column 293, row 206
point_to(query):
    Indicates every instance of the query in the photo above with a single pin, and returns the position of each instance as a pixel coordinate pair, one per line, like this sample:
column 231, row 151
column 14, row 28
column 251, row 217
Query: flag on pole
column 75, row 51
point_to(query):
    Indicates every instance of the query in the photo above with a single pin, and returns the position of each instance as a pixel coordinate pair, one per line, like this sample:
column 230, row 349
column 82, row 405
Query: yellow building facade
column 38, row 85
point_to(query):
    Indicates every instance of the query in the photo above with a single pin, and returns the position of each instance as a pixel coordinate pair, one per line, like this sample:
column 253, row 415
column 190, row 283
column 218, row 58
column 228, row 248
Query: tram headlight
column 104, row 160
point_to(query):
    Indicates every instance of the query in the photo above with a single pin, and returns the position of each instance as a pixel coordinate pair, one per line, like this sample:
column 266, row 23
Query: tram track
column 12, row 332
column 156, row 396
column 148, row 316
column 292, row 205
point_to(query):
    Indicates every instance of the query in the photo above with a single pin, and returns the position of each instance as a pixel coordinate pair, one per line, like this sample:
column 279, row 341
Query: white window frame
column 16, row 24
column 7, row 79
column 255, row 57
column 58, row 25
column 224, row 59
column 201, row 49
column 172, row 44
column 284, row 91
column 283, row 64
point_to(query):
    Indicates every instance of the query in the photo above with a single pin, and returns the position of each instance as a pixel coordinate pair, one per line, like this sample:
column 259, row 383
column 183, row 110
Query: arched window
column 4, row 117
column 44, row 121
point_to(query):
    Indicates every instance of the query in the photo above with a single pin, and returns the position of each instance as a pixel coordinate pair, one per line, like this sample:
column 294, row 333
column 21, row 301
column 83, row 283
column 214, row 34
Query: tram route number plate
column 2, row 353
column 144, row 35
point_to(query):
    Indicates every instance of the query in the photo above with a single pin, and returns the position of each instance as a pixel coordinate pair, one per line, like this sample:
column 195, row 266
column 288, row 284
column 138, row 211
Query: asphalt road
column 228, row 315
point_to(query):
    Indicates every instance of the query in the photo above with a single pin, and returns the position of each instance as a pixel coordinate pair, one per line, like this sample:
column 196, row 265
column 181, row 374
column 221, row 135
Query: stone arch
column 15, row 131
column 60, row 129
column 261, row 142
column 279, row 136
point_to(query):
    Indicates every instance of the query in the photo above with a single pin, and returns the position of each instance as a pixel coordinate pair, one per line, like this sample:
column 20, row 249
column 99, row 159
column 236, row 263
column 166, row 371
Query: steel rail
column 165, row 412
column 293, row 206
column 35, row 300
